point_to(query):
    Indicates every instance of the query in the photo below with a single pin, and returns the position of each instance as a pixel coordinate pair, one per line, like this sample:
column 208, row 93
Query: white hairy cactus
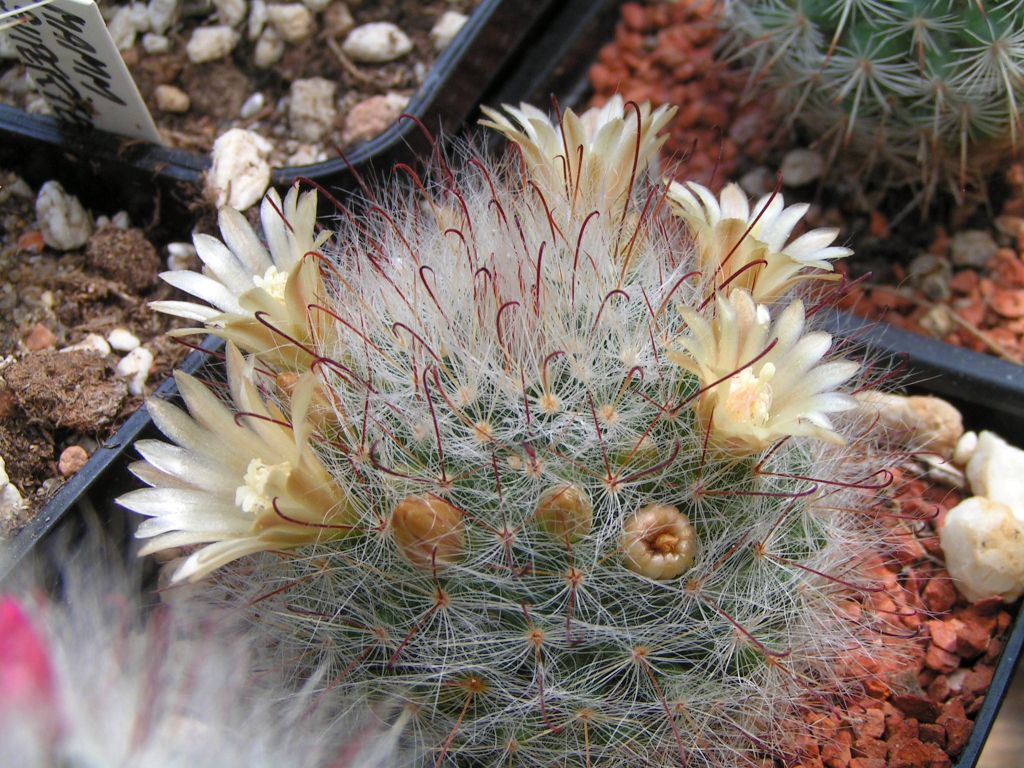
column 593, row 506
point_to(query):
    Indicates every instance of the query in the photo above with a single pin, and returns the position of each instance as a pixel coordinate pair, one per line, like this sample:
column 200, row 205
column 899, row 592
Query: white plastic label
column 73, row 62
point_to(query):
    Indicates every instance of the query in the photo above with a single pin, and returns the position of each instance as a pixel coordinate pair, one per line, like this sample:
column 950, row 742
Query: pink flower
column 26, row 677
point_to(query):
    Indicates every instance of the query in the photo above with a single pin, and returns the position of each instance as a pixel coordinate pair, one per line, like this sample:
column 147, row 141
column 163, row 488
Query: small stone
column 155, row 44
column 801, row 166
column 984, row 547
column 372, row 116
column 972, row 248
column 376, row 43
column 938, row 320
column 758, row 181
column 293, row 21
column 171, row 99
column 231, row 12
column 257, row 20
column 919, row 422
column 12, row 505
column 996, row 471
column 240, row 172
column 162, row 14
column 965, row 448
column 72, row 459
column 306, row 154
column 92, row 342
column 122, row 28
column 62, row 219
column 40, row 337
column 181, row 256
column 338, row 20
column 917, row 706
column 931, row 274
column 122, row 340
column 211, row 43
column 30, row 241
column 121, row 220
column 446, row 28
column 140, row 16
column 940, row 660
column 135, row 367
column 938, row 594
column 311, row 111
column 269, row 49
column 251, row 106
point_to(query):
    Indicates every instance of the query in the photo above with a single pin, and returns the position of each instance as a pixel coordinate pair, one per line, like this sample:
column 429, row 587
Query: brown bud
column 428, row 531
column 658, row 542
column 564, row 511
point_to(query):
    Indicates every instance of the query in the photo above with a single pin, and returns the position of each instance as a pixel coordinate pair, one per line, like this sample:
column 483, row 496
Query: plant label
column 74, row 64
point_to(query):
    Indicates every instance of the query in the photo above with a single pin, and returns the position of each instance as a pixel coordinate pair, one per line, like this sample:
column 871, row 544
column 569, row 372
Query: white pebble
column 231, row 12
column 171, row 99
column 11, row 502
column 269, row 49
column 162, row 14
column 311, row 112
column 446, row 28
column 984, row 547
column 257, row 19
column 123, row 340
column 211, row 43
column 801, row 166
column 135, row 367
column 996, row 471
column 121, row 220
column 122, row 28
column 93, row 342
column 965, row 448
column 62, row 219
column 240, row 172
column 155, row 44
column 376, row 43
column 252, row 105
column 181, row 256
column 140, row 17
column 293, row 22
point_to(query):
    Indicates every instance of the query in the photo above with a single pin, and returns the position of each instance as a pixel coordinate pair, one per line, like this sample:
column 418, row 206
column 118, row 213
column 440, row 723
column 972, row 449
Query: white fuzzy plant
column 551, row 460
column 91, row 678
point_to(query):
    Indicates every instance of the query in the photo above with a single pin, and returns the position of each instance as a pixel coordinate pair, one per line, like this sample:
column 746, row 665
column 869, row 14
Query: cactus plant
column 920, row 91
column 552, row 478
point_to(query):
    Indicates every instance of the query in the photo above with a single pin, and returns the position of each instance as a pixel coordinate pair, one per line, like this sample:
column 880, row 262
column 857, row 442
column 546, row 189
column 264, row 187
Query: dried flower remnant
column 761, row 382
column 238, row 485
column 658, row 542
column 257, row 296
column 740, row 247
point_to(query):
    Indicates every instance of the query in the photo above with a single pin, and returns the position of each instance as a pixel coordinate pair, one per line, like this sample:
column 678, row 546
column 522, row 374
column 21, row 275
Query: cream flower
column 241, row 278
column 761, row 383
column 238, row 485
column 591, row 159
column 725, row 248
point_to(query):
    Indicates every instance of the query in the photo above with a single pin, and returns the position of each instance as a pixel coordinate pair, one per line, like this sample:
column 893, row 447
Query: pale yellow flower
column 237, row 482
column 591, row 160
column 731, row 238
column 241, row 277
column 761, row 382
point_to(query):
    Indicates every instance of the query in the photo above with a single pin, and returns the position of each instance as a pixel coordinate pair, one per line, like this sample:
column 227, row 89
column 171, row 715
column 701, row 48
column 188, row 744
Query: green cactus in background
column 560, row 473
column 915, row 92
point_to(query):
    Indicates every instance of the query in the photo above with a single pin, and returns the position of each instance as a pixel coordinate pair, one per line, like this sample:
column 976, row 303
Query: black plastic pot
column 40, row 149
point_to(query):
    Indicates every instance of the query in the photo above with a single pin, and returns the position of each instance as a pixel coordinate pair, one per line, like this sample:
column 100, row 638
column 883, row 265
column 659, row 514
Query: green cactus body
column 925, row 91
column 511, row 415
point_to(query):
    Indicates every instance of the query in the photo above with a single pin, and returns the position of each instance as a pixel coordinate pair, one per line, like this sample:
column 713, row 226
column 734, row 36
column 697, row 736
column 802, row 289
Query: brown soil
column 218, row 89
column 52, row 400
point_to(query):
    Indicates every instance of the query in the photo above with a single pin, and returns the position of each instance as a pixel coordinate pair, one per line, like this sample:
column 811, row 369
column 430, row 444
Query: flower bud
column 564, row 511
column 658, row 542
column 428, row 531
